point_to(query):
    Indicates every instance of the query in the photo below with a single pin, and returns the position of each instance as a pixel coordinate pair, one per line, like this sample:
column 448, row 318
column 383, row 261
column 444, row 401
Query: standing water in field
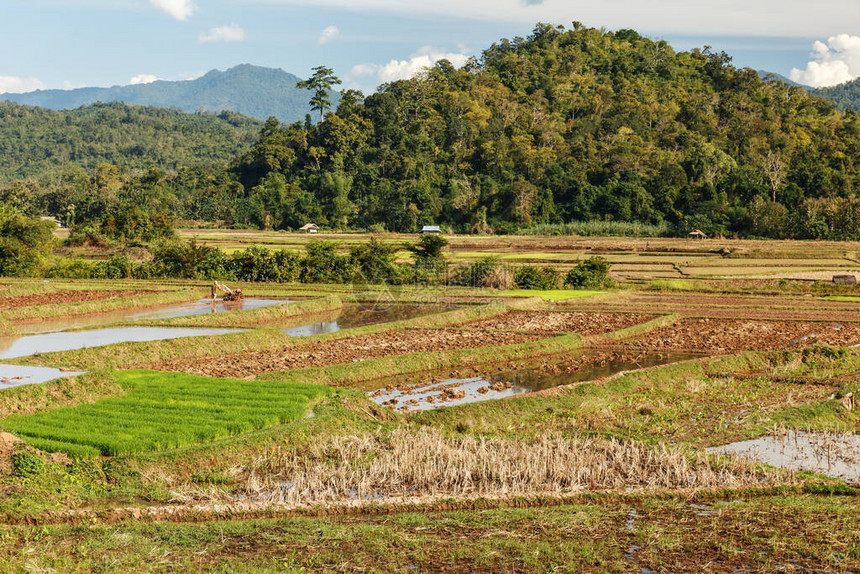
column 359, row 315
column 582, row 368
column 11, row 347
column 15, row 375
column 200, row 307
column 836, row 455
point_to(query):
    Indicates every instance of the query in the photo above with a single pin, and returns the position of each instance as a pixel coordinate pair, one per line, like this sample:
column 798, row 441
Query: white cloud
column 179, row 9
column 403, row 69
column 143, row 79
column 329, row 34
column 783, row 18
column 229, row 33
column 13, row 85
column 836, row 62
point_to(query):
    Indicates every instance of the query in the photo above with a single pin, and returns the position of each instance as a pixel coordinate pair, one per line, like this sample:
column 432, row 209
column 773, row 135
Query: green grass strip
column 550, row 294
column 204, row 409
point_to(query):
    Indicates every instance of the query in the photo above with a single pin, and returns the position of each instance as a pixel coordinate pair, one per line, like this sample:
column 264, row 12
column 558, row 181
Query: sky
column 46, row 44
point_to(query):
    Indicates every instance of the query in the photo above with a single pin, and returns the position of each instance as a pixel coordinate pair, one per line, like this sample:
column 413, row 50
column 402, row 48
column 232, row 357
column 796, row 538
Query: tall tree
column 321, row 83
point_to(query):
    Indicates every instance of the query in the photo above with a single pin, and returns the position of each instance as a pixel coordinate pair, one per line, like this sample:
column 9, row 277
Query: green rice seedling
column 162, row 411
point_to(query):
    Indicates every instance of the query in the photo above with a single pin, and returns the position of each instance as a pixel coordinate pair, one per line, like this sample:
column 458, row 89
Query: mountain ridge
column 274, row 93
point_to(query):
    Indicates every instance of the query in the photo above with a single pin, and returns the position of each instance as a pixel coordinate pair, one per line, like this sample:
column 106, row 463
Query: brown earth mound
column 730, row 335
column 65, row 297
column 361, row 348
column 560, row 322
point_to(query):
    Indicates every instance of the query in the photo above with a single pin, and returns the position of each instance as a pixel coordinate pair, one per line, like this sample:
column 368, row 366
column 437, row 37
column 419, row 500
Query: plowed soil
column 716, row 336
column 333, row 352
column 729, row 306
column 65, row 297
column 555, row 322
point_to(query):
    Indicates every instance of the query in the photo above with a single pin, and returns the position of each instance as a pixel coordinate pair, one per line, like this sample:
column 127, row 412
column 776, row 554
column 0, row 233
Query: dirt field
column 65, row 297
column 555, row 322
column 360, row 348
column 787, row 307
column 717, row 336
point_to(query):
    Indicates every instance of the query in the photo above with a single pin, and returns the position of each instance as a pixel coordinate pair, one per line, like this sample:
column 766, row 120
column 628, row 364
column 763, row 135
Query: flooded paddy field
column 13, row 347
column 626, row 459
column 586, row 366
column 365, row 314
column 831, row 454
column 16, row 375
column 194, row 308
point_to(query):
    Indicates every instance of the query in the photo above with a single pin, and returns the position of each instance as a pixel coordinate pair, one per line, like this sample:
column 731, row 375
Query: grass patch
column 550, row 294
column 164, row 410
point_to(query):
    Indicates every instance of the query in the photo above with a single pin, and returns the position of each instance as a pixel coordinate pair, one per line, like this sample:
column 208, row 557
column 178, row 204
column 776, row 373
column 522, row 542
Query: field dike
column 635, row 330
column 151, row 354
column 33, row 313
column 352, row 374
column 249, row 318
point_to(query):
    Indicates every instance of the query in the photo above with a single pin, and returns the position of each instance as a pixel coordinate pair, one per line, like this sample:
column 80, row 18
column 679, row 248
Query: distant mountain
column 765, row 75
column 37, row 142
column 845, row 96
column 248, row 90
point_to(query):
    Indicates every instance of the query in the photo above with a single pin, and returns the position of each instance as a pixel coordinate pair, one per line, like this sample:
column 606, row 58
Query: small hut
column 431, row 230
column 309, row 228
column 697, row 234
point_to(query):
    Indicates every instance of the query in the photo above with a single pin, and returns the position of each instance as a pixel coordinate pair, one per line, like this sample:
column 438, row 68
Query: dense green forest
column 566, row 125
column 846, row 96
column 44, row 144
column 252, row 91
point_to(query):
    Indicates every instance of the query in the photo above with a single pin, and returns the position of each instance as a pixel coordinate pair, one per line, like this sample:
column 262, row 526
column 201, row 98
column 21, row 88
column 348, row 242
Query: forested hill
column 36, row 142
column 252, row 91
column 845, row 96
column 568, row 125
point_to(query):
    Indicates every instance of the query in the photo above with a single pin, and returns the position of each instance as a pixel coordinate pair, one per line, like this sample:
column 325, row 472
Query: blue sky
column 75, row 43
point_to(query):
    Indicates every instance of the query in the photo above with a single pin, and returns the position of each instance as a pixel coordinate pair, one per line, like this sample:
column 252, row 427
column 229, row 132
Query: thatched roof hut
column 697, row 234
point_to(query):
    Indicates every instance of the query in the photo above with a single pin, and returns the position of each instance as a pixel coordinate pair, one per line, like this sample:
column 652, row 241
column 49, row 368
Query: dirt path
column 332, row 352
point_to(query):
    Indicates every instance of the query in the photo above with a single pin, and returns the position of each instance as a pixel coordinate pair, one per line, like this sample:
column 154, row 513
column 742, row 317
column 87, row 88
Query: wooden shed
column 697, row 234
column 309, row 228
column 431, row 229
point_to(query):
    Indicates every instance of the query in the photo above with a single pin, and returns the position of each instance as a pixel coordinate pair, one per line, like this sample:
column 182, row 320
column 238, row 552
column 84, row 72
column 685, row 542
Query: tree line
column 566, row 125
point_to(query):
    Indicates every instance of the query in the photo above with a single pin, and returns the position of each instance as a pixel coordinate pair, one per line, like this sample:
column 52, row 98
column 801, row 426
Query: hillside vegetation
column 565, row 125
column 35, row 142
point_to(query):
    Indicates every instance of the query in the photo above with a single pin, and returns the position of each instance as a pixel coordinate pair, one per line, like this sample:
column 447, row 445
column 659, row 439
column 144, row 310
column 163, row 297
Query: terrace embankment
column 348, row 350
column 788, row 307
column 57, row 297
column 551, row 322
column 719, row 336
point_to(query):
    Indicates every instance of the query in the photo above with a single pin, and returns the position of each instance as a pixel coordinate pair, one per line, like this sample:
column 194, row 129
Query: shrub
column 119, row 267
column 532, row 277
column 26, row 464
column 486, row 272
column 593, row 273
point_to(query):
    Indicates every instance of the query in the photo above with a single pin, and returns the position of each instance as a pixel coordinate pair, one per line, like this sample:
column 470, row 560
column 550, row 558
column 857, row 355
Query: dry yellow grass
column 378, row 467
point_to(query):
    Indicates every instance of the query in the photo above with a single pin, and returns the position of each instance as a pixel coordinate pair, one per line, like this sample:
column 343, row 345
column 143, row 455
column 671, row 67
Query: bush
column 26, row 464
column 119, row 267
column 593, row 273
column 261, row 264
column 532, row 277
column 322, row 264
column 486, row 272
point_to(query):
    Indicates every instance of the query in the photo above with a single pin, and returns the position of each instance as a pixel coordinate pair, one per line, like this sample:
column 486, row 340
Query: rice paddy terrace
column 443, row 429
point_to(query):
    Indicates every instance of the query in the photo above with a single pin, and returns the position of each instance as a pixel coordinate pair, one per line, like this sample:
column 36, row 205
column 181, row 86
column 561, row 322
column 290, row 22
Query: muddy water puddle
column 15, row 375
column 835, row 455
column 352, row 316
column 460, row 391
column 200, row 307
column 12, row 347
